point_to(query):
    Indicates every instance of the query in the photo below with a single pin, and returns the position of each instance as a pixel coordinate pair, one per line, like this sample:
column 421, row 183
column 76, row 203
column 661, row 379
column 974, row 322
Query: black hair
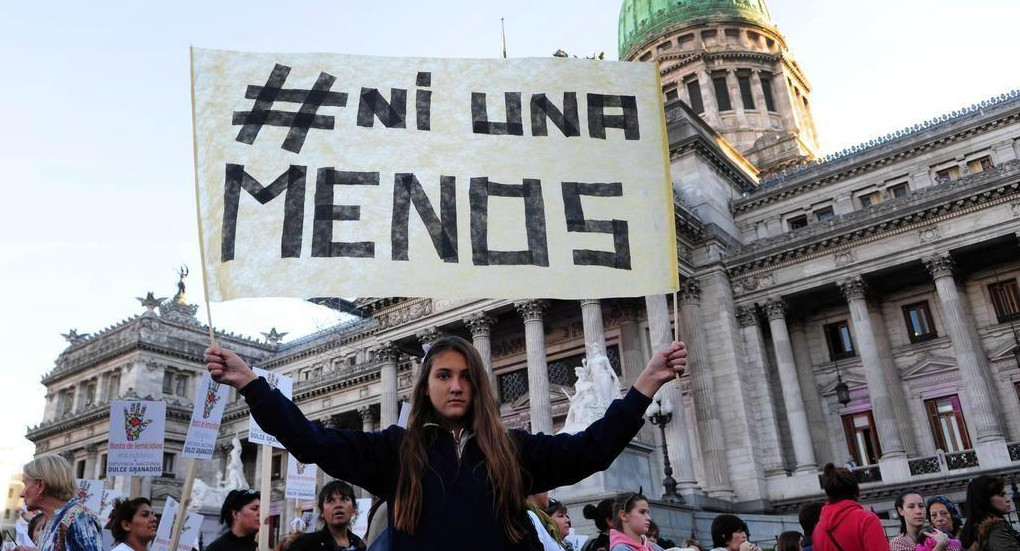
column 808, row 516
column 124, row 510
column 339, row 487
column 235, row 501
column 723, row 528
column 789, row 541
column 898, row 504
column 600, row 513
column 839, row 483
column 979, row 506
column 626, row 504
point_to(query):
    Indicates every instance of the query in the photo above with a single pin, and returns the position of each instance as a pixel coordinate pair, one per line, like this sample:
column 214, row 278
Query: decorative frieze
column 845, row 257
column 414, row 310
column 753, row 283
column 929, row 234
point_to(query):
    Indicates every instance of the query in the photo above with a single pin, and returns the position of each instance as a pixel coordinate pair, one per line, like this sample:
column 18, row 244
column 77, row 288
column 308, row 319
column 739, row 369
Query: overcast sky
column 96, row 149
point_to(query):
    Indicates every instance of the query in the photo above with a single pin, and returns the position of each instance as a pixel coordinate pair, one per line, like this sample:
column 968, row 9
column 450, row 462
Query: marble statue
column 596, row 387
column 607, row 384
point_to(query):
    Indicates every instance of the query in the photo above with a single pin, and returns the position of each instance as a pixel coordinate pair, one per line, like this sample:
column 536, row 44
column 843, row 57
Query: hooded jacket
column 458, row 509
column 851, row 526
column 618, row 541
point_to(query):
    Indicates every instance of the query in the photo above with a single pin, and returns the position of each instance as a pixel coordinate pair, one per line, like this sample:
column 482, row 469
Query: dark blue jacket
column 458, row 510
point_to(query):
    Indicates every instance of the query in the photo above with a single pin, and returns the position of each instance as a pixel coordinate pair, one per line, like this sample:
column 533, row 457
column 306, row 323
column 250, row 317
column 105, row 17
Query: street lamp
column 660, row 412
column 842, row 390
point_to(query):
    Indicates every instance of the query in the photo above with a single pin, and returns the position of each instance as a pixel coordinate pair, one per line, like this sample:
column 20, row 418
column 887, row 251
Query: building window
column 722, row 93
column 168, row 465
column 797, row 222
column 947, row 174
column 947, row 424
column 671, row 95
column 899, row 190
column 869, row 199
column 181, row 387
column 766, row 88
column 837, row 337
column 168, row 382
column 824, row 214
column 920, row 326
column 276, row 469
column 512, row 385
column 1005, row 300
column 102, row 466
column 79, row 469
column 694, row 93
column 744, row 82
column 862, row 438
column 980, row 164
column 113, row 390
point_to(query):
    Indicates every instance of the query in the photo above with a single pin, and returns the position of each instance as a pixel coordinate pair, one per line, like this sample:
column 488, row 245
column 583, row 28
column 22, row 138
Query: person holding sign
column 240, row 513
column 133, row 524
column 456, row 478
column 338, row 507
column 50, row 488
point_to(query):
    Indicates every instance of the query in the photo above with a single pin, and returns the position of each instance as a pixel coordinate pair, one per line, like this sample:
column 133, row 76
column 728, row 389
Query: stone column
column 786, row 101
column 594, row 330
column 677, row 436
column 632, row 354
column 769, row 443
column 793, row 399
column 367, row 423
column 480, row 324
column 91, row 463
column 759, row 95
column 388, row 414
column 713, row 448
column 878, row 391
column 708, row 98
column 970, row 359
column 538, row 370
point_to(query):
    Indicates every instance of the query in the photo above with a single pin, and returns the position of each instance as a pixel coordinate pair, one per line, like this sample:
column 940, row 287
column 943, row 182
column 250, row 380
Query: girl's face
column 450, row 389
column 1000, row 502
column 912, row 510
column 246, row 521
column 635, row 522
column 940, row 517
column 736, row 539
column 142, row 525
column 563, row 521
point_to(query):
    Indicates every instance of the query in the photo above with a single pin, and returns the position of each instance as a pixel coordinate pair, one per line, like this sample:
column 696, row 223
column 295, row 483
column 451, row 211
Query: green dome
column 640, row 19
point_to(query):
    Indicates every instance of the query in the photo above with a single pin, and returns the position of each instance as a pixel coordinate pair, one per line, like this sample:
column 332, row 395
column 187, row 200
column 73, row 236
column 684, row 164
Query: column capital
column 690, row 292
column 91, row 448
column 531, row 310
column 747, row 315
column 386, row 353
column 588, row 301
column 939, row 265
column 365, row 412
column 853, row 288
column 480, row 324
column 775, row 309
column 428, row 335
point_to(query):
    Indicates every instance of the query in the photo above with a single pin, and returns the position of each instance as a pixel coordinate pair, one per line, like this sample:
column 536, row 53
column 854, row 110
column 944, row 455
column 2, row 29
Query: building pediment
column 1006, row 352
column 928, row 365
column 852, row 381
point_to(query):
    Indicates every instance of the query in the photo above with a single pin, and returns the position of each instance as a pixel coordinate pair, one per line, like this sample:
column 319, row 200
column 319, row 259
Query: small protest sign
column 285, row 385
column 91, row 494
column 189, row 532
column 300, row 479
column 136, row 438
column 210, row 400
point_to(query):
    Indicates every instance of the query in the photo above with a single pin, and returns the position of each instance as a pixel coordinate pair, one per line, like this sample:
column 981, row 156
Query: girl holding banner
column 456, row 477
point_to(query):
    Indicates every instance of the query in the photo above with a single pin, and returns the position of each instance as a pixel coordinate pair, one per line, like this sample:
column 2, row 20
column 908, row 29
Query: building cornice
column 921, row 208
column 175, row 411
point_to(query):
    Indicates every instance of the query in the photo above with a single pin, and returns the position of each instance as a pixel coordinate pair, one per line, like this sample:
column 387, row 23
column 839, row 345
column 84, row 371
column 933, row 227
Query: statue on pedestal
column 596, row 387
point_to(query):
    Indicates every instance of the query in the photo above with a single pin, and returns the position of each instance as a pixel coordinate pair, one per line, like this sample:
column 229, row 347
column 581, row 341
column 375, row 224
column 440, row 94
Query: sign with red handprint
column 90, row 492
column 300, row 479
column 279, row 382
column 136, row 438
column 206, row 417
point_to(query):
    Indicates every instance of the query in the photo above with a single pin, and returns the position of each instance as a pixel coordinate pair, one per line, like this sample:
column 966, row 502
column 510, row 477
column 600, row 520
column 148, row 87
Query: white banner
column 300, row 479
column 189, row 534
column 136, row 438
column 210, row 400
column 90, row 492
column 336, row 175
column 285, row 385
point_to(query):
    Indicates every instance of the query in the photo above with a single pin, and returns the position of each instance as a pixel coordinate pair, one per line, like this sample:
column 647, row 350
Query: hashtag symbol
column 299, row 122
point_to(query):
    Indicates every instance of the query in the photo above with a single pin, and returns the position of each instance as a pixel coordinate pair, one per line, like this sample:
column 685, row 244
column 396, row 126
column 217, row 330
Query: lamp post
column 842, row 390
column 660, row 412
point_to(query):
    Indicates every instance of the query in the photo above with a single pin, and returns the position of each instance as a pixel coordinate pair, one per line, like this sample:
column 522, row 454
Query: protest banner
column 189, row 530
column 300, row 479
column 285, row 385
column 337, row 175
column 211, row 399
column 136, row 438
column 91, row 493
column 106, row 505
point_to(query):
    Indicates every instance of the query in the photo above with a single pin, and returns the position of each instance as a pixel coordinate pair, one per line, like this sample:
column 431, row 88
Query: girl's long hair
column 499, row 450
column 979, row 506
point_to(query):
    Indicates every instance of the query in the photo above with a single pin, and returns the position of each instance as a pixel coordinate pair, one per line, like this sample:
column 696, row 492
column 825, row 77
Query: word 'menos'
column 441, row 226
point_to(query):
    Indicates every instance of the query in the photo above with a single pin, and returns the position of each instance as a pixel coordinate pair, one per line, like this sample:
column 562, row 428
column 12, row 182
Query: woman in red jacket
column 845, row 525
